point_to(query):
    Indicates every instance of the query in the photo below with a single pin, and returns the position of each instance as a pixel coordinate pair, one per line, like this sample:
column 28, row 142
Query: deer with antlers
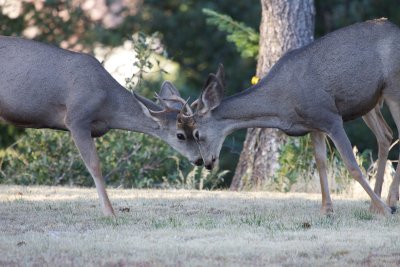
column 314, row 89
column 42, row 86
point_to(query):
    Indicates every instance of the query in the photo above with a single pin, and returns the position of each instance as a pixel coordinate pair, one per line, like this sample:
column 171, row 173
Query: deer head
column 201, row 125
column 166, row 113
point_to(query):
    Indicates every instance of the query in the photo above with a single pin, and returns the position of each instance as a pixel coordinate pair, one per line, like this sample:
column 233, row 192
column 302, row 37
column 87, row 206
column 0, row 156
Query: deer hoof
column 381, row 210
column 109, row 213
column 394, row 209
column 392, row 201
column 327, row 210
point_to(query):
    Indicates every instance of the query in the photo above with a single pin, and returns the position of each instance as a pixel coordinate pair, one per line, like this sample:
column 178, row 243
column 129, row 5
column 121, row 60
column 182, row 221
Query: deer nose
column 209, row 166
column 199, row 162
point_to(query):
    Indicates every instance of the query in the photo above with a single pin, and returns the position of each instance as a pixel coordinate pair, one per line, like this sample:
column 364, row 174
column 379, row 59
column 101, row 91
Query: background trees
column 285, row 25
column 191, row 43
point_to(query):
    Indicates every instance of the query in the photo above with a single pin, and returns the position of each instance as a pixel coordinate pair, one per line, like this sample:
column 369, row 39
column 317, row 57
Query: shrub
column 298, row 166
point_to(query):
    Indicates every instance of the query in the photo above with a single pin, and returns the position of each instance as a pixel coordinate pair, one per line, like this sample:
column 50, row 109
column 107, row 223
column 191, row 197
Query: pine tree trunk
column 285, row 25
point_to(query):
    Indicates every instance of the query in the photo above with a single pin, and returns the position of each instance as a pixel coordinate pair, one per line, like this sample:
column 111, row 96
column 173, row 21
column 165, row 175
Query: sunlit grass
column 64, row 226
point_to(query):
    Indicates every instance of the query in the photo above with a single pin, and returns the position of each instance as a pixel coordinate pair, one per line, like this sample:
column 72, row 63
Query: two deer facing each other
column 341, row 76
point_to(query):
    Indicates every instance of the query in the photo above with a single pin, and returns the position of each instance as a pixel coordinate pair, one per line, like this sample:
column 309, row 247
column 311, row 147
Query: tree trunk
column 285, row 25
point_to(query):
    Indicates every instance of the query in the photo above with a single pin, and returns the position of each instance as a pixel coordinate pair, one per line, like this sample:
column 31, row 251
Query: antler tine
column 188, row 109
column 178, row 99
column 194, row 104
column 159, row 98
column 163, row 103
column 184, row 105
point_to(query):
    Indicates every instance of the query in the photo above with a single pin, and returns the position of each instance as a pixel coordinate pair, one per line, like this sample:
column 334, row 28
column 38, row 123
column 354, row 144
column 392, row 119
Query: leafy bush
column 296, row 160
column 297, row 165
column 245, row 38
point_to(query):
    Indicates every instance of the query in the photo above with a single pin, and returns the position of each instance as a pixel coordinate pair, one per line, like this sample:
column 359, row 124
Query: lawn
column 54, row 226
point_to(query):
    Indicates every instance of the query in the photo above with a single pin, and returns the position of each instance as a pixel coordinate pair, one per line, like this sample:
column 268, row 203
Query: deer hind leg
column 393, row 195
column 384, row 136
column 318, row 141
column 87, row 149
column 342, row 143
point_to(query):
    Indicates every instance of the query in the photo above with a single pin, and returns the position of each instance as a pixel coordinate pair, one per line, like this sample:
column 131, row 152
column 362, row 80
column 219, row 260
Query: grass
column 58, row 226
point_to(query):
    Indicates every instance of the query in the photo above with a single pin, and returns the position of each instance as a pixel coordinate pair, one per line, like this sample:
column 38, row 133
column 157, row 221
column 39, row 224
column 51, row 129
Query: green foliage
column 296, row 162
column 8, row 135
column 198, row 177
column 363, row 215
column 338, row 170
column 297, row 165
column 197, row 47
column 245, row 38
column 145, row 47
column 334, row 14
column 32, row 158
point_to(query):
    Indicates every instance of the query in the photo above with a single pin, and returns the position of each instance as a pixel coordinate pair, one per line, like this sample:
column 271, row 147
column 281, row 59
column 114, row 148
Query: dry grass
column 53, row 226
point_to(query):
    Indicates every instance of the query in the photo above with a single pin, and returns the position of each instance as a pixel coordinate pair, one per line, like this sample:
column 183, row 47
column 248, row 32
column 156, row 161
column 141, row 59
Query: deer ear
column 211, row 95
column 221, row 73
column 168, row 91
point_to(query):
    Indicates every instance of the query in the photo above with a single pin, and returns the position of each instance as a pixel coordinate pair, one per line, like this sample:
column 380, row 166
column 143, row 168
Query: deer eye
column 180, row 136
column 196, row 135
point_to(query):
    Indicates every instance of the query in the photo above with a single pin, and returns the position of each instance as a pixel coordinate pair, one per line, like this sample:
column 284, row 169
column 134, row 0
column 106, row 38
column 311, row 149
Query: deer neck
column 256, row 107
column 127, row 114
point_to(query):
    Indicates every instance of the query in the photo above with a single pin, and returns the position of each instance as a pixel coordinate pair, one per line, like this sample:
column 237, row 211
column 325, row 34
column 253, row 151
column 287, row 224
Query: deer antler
column 161, row 100
column 166, row 107
column 194, row 104
column 187, row 107
column 185, row 111
column 189, row 112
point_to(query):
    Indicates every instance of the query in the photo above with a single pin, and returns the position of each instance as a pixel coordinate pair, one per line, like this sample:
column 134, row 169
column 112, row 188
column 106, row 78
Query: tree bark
column 285, row 25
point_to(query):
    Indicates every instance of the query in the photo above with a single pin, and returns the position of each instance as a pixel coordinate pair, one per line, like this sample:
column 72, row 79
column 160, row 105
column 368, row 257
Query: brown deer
column 339, row 77
column 42, row 86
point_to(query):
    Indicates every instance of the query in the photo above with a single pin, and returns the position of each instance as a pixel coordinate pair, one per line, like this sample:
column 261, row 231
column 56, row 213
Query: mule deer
column 373, row 119
column 42, row 86
column 338, row 77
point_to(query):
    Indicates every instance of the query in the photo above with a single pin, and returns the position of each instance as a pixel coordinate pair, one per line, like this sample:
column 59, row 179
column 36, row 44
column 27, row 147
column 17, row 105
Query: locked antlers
column 172, row 103
column 211, row 96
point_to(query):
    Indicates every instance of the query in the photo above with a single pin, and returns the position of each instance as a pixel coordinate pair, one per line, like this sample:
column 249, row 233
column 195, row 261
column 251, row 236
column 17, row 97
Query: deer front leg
column 87, row 149
column 318, row 141
column 342, row 143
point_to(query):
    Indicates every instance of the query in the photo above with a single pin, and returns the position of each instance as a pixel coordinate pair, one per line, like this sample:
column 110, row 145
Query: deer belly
column 33, row 118
column 351, row 111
